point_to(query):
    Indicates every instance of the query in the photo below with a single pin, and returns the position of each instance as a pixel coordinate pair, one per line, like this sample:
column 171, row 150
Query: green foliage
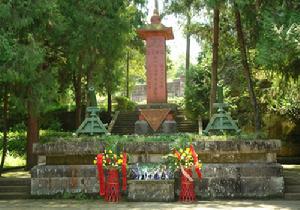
column 124, row 104
column 280, row 34
column 197, row 92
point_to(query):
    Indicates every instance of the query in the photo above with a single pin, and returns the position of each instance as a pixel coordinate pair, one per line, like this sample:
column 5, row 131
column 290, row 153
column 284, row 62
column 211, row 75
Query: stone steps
column 14, row 195
column 292, row 184
column 14, row 188
column 292, row 196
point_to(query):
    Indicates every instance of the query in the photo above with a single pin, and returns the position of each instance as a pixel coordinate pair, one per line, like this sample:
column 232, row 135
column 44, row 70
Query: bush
column 124, row 104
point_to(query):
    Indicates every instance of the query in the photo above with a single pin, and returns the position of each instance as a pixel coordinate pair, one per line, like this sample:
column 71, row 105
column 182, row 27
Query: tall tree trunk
column 109, row 102
column 5, row 126
column 127, row 75
column 247, row 71
column 214, row 65
column 78, row 98
column 32, row 130
column 188, row 45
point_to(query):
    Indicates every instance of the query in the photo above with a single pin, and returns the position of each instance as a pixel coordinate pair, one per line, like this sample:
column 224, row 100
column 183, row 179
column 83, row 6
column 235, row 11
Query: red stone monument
column 155, row 35
column 157, row 115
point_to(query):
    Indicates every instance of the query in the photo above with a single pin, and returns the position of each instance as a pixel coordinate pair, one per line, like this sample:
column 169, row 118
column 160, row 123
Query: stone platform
column 231, row 169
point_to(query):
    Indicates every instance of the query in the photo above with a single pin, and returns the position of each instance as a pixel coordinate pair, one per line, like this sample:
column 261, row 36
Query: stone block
column 49, row 171
column 255, row 187
column 141, row 127
column 169, row 126
column 276, row 186
column 145, row 158
column 57, row 185
column 151, row 190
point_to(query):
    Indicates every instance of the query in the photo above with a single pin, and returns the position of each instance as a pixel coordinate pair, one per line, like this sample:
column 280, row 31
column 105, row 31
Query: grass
column 12, row 160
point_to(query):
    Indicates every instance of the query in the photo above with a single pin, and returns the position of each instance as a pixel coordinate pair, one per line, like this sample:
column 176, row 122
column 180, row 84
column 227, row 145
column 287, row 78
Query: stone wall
column 231, row 169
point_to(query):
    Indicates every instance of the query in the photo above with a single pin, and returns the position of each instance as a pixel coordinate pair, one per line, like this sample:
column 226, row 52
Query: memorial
column 157, row 116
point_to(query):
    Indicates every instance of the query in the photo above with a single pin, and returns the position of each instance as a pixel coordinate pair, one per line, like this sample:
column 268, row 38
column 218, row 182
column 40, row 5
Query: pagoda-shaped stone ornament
column 221, row 122
column 156, row 116
column 92, row 125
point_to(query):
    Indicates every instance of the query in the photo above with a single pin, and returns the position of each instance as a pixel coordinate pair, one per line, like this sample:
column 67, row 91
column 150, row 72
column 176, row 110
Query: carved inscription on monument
column 156, row 72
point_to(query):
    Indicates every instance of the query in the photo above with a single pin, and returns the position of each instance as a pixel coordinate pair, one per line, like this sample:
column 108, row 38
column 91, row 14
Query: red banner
column 101, row 174
column 197, row 169
column 177, row 154
column 124, row 175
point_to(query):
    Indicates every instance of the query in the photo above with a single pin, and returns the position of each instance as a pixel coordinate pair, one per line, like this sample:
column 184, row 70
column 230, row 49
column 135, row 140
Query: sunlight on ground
column 296, row 167
column 18, row 173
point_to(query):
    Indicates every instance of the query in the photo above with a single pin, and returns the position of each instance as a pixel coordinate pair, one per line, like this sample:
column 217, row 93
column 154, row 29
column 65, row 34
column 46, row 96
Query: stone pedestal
column 231, row 169
column 151, row 190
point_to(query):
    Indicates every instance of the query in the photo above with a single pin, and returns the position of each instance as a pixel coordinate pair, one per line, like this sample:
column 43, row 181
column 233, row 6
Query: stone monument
column 156, row 116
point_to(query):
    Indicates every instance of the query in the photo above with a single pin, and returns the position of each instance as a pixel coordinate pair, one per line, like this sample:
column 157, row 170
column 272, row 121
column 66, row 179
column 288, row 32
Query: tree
column 5, row 126
column 25, row 29
column 214, row 65
column 247, row 72
column 186, row 9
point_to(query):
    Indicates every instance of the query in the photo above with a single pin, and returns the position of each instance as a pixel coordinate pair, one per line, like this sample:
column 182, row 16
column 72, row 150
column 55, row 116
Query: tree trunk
column 188, row 45
column 78, row 96
column 214, row 65
column 109, row 102
column 5, row 127
column 247, row 72
column 32, row 130
column 127, row 75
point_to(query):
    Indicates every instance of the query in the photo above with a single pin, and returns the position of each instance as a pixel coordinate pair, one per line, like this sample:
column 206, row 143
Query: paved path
column 42, row 204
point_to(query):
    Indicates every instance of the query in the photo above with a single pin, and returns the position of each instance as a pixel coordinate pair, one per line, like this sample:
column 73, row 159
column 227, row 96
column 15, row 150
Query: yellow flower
column 95, row 162
column 181, row 150
column 121, row 156
column 183, row 154
column 109, row 151
column 120, row 161
column 115, row 156
column 187, row 150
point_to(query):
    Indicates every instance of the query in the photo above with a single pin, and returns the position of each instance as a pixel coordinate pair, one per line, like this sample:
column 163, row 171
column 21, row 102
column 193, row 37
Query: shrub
column 124, row 104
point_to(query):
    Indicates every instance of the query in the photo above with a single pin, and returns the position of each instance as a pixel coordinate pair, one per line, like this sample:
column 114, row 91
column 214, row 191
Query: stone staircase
column 124, row 124
column 185, row 125
column 292, row 183
column 14, row 188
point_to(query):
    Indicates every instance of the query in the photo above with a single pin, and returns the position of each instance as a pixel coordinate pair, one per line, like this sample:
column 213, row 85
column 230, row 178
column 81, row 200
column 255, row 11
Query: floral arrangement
column 185, row 157
column 111, row 159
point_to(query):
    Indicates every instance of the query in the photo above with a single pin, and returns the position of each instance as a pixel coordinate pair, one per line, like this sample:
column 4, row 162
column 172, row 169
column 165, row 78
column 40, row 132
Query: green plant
column 124, row 104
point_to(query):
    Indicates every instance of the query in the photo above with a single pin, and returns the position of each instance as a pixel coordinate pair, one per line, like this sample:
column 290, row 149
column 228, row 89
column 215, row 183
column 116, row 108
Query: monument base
column 156, row 118
column 141, row 127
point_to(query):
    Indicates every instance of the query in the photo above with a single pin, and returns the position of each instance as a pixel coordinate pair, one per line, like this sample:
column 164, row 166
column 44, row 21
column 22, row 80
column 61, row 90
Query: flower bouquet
column 112, row 161
column 184, row 159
